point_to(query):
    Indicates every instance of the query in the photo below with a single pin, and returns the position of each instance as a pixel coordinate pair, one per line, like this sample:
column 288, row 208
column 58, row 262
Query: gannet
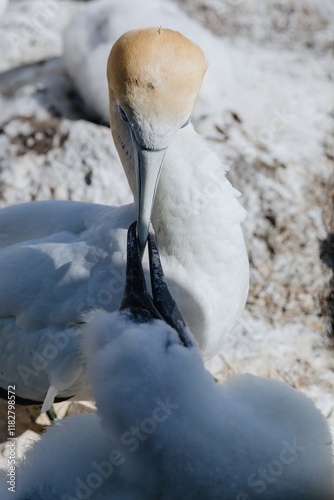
column 62, row 259
column 164, row 428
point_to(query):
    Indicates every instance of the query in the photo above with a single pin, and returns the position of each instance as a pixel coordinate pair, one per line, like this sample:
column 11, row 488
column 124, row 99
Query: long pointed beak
column 163, row 299
column 138, row 302
column 148, row 167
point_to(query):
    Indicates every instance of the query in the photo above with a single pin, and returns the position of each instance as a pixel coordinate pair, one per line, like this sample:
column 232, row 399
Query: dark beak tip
column 136, row 297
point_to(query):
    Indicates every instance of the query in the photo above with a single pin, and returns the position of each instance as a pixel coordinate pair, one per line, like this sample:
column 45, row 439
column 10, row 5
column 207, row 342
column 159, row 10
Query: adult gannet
column 59, row 260
column 164, row 428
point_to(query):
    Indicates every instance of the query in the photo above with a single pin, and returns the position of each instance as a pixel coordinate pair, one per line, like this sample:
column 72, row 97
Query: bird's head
column 154, row 78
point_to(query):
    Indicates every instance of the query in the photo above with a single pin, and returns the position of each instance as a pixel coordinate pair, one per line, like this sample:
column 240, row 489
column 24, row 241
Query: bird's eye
column 186, row 123
column 122, row 113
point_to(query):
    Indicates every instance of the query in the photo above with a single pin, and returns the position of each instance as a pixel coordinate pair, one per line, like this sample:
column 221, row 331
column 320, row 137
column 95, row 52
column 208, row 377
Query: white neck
column 193, row 193
column 196, row 217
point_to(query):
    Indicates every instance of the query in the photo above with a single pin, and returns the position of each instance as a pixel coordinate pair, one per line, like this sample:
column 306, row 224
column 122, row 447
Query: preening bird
column 164, row 428
column 60, row 260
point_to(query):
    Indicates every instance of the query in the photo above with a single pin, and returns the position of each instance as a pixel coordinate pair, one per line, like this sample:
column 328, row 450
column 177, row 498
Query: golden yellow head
column 154, row 78
column 155, row 75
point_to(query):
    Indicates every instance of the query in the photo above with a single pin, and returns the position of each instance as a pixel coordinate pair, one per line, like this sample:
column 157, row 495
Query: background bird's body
column 64, row 259
column 92, row 31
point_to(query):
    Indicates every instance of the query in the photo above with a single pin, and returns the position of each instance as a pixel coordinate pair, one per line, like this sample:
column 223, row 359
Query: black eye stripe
column 122, row 113
column 186, row 123
column 125, row 118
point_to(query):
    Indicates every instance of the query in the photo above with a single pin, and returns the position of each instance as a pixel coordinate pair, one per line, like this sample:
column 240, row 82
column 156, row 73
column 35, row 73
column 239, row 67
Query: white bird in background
column 3, row 7
column 97, row 25
column 164, row 428
column 61, row 259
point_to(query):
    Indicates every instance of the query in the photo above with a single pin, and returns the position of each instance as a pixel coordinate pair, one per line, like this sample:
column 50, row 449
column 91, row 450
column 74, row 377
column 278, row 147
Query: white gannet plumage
column 164, row 428
column 3, row 7
column 61, row 259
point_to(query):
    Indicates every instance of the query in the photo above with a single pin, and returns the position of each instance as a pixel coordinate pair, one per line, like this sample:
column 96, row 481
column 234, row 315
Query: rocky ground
column 274, row 130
